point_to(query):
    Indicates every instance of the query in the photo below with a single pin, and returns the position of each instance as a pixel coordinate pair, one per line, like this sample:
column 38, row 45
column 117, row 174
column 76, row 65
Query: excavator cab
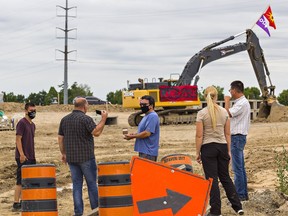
column 171, row 100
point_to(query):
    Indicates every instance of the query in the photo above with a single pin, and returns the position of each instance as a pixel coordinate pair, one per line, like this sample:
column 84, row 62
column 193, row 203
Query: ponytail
column 211, row 97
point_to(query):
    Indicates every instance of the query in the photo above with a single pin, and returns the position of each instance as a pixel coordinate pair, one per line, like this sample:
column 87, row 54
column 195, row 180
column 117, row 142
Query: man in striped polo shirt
column 240, row 123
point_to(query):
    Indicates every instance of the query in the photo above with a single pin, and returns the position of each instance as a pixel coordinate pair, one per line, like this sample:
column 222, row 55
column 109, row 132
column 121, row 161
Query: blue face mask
column 32, row 114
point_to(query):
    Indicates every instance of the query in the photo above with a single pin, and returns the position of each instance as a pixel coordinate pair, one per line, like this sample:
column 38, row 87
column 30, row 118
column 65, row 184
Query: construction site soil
column 264, row 140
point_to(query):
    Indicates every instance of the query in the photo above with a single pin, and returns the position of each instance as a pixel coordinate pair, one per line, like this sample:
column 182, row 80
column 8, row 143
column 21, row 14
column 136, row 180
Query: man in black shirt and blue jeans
column 76, row 143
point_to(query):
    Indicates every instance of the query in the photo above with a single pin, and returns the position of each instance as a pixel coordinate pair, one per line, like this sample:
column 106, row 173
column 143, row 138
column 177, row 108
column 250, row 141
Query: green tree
column 78, row 90
column 38, row 99
column 283, row 97
column 51, row 94
column 75, row 90
column 252, row 93
column 10, row 97
column 20, row 98
column 201, row 94
column 115, row 97
column 220, row 93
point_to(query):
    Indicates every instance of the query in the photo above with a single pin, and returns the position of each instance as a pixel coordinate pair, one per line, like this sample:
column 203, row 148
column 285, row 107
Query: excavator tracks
column 167, row 117
column 135, row 118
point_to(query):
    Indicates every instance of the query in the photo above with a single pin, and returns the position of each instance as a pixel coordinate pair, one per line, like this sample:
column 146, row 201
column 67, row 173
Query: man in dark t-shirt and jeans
column 24, row 152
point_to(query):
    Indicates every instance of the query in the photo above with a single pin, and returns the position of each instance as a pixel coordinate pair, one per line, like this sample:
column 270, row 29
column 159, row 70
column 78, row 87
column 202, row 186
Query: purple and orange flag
column 265, row 19
column 269, row 16
column 262, row 23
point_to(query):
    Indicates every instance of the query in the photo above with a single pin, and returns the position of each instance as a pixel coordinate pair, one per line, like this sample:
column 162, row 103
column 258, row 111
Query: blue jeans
column 87, row 169
column 238, row 143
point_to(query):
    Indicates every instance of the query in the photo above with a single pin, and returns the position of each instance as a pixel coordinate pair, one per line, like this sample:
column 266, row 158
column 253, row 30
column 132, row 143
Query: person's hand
column 23, row 158
column 104, row 114
column 128, row 136
column 229, row 153
column 227, row 98
column 198, row 158
column 64, row 158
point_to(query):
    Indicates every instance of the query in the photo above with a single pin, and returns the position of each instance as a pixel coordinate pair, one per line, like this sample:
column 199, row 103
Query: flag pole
column 260, row 17
column 237, row 35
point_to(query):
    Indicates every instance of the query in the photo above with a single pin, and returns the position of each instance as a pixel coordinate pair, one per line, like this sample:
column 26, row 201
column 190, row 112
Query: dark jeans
column 215, row 160
column 19, row 166
column 88, row 170
column 149, row 157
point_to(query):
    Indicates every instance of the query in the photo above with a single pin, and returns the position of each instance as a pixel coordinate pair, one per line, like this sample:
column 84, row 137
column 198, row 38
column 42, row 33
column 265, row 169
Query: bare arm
column 62, row 148
column 199, row 140
column 141, row 135
column 100, row 126
column 227, row 104
column 20, row 149
column 228, row 136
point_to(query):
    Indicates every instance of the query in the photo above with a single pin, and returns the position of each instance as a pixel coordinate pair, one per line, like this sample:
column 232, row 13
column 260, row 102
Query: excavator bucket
column 278, row 113
column 264, row 111
column 273, row 112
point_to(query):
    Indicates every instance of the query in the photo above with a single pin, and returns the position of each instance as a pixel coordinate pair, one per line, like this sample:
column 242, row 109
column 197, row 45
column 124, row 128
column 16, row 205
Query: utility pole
column 66, row 52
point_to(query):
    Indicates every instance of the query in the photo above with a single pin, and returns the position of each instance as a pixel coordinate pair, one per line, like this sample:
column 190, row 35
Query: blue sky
column 125, row 40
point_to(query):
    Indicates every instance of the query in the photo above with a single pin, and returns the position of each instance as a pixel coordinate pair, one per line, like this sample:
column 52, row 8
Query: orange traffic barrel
column 39, row 196
column 114, row 185
column 179, row 161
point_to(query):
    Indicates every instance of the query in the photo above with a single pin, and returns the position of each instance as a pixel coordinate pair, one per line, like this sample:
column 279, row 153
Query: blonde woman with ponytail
column 213, row 151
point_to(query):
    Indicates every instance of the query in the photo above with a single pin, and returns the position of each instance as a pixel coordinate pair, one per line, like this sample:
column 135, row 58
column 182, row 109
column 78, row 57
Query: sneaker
column 240, row 212
column 16, row 207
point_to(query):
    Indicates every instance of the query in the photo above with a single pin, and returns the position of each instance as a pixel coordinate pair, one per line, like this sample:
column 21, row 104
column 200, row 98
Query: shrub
column 281, row 159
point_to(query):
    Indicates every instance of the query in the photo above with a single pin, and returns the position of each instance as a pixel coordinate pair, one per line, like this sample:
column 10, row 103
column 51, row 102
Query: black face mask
column 32, row 114
column 144, row 109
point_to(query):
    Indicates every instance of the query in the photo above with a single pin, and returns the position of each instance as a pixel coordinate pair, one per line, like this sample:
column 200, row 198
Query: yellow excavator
column 176, row 100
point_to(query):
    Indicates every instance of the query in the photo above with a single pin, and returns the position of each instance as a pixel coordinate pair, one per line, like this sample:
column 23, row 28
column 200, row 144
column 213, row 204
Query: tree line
column 47, row 98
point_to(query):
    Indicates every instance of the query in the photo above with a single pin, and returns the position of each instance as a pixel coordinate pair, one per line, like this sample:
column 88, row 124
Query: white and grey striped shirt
column 240, row 120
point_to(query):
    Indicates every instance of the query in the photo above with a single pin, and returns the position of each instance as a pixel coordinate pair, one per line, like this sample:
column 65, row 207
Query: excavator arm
column 175, row 112
column 211, row 53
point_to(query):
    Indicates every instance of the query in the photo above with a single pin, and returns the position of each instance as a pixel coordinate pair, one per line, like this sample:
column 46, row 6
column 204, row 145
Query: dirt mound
column 11, row 107
column 269, row 202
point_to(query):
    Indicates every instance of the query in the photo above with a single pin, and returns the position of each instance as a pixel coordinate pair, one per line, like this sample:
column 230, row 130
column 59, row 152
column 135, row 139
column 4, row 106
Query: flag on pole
column 263, row 24
column 269, row 16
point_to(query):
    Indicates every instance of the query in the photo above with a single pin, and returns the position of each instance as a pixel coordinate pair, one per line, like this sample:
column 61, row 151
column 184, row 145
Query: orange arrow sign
column 159, row 189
